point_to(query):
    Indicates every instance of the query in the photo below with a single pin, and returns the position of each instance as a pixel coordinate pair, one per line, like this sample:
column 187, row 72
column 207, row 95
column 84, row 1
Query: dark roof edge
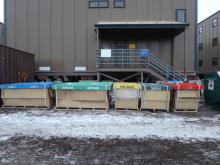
column 1, row 23
column 209, row 17
column 141, row 25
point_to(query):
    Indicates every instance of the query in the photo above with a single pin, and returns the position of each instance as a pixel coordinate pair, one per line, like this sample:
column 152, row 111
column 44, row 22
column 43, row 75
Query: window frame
column 98, row 2
column 200, row 46
column 185, row 15
column 201, row 30
column 215, row 22
column 115, row 1
column 200, row 63
column 214, row 61
column 215, row 42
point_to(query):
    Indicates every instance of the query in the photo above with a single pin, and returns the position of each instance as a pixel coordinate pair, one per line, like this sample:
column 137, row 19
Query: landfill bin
column 185, row 97
column 155, row 97
column 83, row 95
column 126, row 96
column 27, row 95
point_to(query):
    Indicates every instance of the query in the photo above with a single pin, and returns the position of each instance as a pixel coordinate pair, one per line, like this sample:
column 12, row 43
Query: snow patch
column 48, row 124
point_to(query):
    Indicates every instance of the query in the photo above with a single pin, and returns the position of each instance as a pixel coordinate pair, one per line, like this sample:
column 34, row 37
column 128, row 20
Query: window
column 214, row 61
column 119, row 3
column 98, row 3
column 200, row 30
column 181, row 15
column 200, row 46
column 200, row 63
column 215, row 22
column 215, row 42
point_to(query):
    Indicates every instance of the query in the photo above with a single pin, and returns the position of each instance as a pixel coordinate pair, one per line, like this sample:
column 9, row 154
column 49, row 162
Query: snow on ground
column 48, row 124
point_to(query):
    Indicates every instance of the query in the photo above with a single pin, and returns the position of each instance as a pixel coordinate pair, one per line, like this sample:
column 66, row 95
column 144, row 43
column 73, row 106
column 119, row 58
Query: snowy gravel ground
column 124, row 125
column 83, row 137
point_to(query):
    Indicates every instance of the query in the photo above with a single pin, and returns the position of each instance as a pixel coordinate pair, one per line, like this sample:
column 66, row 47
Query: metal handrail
column 129, row 57
column 168, row 69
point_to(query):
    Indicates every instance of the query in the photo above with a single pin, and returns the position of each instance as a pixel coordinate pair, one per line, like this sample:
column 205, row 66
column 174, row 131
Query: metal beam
column 110, row 77
column 131, row 76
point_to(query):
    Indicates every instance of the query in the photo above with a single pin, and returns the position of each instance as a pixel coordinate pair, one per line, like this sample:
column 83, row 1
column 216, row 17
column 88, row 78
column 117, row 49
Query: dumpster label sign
column 211, row 85
column 156, row 88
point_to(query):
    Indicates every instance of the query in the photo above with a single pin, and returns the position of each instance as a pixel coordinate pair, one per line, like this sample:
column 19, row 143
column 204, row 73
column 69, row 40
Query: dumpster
column 127, row 96
column 185, row 97
column 212, row 89
column 83, row 95
column 27, row 95
column 155, row 97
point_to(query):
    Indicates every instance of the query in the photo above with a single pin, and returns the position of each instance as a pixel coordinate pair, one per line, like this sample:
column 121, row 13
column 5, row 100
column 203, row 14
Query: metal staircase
column 131, row 59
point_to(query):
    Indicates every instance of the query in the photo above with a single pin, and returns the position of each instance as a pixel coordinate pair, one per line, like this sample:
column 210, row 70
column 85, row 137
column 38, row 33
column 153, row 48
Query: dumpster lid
column 101, row 86
column 186, row 86
column 121, row 85
column 156, row 87
column 35, row 85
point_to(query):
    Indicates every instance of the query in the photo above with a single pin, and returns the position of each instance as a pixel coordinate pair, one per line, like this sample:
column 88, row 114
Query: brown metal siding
column 1, row 33
column 14, row 62
column 208, row 51
column 62, row 35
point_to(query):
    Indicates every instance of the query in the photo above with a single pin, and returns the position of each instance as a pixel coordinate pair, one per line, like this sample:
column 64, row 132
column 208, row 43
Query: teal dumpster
column 212, row 89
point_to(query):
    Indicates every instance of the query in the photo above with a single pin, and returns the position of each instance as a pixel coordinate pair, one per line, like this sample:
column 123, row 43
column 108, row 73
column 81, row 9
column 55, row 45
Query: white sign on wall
column 80, row 68
column 106, row 53
column 44, row 68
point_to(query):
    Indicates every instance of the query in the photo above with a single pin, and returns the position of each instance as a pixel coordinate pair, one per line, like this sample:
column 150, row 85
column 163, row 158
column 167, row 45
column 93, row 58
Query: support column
column 97, row 38
column 98, row 77
column 185, row 55
column 142, row 77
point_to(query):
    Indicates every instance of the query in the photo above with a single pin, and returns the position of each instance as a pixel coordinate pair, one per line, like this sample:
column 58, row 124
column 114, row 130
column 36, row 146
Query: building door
column 122, row 54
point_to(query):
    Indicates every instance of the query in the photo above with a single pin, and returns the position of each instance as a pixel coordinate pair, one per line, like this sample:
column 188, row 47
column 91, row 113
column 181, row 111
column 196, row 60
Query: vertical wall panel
column 10, row 14
column 154, row 9
column 92, row 39
column 68, row 35
column 44, row 29
column 80, row 32
column 33, row 29
column 178, row 55
column 21, row 25
column 131, row 10
column 56, row 35
column 166, row 50
column 142, row 6
column 190, row 52
column 117, row 14
column 167, row 10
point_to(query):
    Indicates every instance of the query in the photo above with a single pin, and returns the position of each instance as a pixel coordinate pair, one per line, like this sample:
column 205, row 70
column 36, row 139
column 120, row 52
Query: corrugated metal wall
column 61, row 33
column 209, row 51
column 1, row 33
column 15, row 65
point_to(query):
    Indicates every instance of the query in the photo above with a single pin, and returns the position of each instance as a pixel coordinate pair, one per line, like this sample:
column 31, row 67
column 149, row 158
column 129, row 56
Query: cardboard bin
column 126, row 96
column 24, row 95
column 155, row 97
column 83, row 95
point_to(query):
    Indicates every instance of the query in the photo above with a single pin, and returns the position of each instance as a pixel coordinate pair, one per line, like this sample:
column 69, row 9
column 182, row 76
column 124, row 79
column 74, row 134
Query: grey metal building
column 67, row 36
column 1, row 33
column 208, row 59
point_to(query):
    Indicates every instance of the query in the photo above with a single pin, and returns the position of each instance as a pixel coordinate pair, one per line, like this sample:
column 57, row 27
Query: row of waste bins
column 99, row 96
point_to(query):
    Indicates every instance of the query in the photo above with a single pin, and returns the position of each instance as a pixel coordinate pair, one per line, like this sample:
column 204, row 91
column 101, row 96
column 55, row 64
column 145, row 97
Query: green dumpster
column 83, row 95
column 212, row 89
